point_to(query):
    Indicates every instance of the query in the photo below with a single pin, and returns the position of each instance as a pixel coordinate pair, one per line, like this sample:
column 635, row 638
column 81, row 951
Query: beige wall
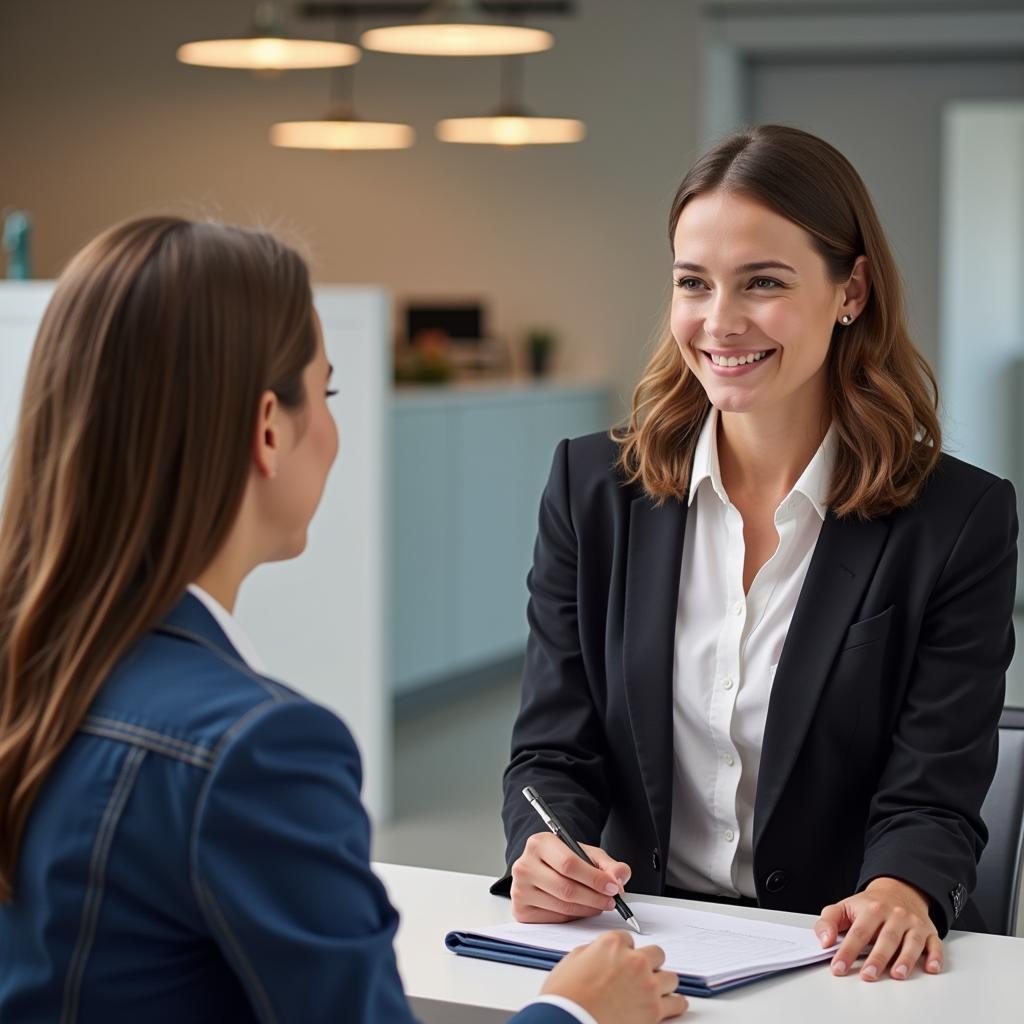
column 99, row 122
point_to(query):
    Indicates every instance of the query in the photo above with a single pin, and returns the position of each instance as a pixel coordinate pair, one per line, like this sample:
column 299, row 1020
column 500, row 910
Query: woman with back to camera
column 182, row 837
column 770, row 619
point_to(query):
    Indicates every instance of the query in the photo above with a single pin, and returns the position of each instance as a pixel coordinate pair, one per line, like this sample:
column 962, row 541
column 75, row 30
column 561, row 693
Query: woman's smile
column 736, row 362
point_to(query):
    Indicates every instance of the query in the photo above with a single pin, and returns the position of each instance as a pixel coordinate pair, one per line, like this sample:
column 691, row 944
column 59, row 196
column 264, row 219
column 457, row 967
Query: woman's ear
column 266, row 442
column 856, row 290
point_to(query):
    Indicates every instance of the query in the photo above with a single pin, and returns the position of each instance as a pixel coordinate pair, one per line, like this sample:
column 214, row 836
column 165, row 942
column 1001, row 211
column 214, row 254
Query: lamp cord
column 342, row 88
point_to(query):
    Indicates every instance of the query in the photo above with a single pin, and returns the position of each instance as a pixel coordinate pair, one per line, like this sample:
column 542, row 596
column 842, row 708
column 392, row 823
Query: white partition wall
column 318, row 621
column 21, row 308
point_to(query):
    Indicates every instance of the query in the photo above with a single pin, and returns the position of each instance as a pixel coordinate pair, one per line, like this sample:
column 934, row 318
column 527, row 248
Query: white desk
column 983, row 981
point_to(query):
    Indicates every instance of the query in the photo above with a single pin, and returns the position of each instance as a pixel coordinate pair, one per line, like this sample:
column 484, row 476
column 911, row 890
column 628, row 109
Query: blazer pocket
column 868, row 631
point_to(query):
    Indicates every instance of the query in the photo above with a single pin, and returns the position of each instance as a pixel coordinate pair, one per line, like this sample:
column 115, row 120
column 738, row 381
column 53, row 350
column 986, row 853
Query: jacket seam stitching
column 218, row 922
column 94, row 893
column 196, row 750
column 205, row 898
column 198, row 757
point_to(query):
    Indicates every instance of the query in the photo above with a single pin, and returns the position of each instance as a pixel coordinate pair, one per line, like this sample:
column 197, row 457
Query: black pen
column 556, row 826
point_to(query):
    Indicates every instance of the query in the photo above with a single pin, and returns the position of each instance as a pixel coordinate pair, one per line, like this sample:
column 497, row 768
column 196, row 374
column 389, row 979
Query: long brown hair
column 130, row 462
column 883, row 395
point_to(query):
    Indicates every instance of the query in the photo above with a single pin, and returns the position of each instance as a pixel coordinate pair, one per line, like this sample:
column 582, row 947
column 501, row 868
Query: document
column 710, row 952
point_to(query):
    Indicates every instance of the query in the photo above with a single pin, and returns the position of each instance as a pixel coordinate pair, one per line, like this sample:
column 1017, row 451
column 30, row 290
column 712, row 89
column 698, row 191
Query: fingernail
column 899, row 971
column 823, row 938
column 622, row 876
column 610, row 905
column 870, row 972
column 838, row 966
column 934, row 966
column 611, row 888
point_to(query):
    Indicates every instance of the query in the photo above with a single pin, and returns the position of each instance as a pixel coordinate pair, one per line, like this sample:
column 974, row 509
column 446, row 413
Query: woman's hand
column 616, row 983
column 891, row 914
column 551, row 884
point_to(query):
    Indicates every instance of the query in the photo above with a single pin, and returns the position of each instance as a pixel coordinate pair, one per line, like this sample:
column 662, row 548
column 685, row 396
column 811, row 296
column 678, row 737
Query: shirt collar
column 814, row 483
column 231, row 628
column 705, row 460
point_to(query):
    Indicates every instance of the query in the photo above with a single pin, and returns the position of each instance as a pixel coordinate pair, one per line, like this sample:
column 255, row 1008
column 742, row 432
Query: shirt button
column 729, row 835
column 727, row 683
column 729, row 760
column 737, row 608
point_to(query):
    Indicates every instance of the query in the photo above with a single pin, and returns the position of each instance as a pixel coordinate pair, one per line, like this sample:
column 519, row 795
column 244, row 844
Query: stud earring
column 846, row 319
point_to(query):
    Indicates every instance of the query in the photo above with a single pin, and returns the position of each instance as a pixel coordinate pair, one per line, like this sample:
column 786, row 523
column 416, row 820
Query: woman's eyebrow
column 746, row 268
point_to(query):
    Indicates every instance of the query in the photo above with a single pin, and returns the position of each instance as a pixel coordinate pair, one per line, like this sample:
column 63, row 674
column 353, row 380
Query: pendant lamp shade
column 268, row 53
column 342, row 131
column 456, row 28
column 268, row 48
column 511, row 130
column 511, row 124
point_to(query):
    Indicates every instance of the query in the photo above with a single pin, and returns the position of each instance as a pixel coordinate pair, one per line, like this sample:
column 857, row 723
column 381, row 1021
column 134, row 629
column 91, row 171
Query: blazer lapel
column 653, row 563
column 841, row 567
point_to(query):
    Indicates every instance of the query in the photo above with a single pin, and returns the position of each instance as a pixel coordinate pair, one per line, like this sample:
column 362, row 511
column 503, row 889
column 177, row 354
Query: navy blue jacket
column 200, row 853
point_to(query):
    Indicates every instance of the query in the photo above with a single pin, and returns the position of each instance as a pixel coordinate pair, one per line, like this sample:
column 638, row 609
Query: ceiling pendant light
column 456, row 28
column 511, row 124
column 268, row 49
column 342, row 129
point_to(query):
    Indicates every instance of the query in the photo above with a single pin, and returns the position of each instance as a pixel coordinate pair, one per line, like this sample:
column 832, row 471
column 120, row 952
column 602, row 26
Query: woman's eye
column 689, row 284
column 766, row 282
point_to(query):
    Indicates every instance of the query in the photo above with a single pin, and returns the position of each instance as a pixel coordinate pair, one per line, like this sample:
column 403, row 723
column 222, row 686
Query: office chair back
column 998, row 892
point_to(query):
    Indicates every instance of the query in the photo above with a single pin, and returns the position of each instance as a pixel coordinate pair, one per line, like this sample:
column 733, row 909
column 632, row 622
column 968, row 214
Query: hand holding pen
column 557, row 879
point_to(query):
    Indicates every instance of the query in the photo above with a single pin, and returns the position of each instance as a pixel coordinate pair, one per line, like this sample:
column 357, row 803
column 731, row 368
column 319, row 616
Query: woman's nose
column 724, row 320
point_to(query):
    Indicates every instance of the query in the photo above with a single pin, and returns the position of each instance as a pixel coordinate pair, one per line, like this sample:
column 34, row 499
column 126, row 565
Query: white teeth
column 753, row 357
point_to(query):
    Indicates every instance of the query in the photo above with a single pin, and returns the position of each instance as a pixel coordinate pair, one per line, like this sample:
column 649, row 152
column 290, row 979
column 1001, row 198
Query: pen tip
column 635, row 924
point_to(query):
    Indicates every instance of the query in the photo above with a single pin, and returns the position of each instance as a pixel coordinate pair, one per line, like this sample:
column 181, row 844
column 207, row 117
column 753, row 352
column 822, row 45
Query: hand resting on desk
column 893, row 915
column 550, row 884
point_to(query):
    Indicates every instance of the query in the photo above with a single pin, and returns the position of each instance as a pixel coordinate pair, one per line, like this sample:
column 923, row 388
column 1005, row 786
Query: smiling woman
column 778, row 250
column 770, row 618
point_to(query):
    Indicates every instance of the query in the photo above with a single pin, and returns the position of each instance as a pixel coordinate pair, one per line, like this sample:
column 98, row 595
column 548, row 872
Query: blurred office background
column 473, row 261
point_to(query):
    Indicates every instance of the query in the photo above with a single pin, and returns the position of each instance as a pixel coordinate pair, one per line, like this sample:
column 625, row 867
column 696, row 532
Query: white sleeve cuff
column 566, row 1004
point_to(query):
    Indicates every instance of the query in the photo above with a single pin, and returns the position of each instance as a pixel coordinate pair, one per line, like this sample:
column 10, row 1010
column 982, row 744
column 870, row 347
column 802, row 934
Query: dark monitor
column 462, row 322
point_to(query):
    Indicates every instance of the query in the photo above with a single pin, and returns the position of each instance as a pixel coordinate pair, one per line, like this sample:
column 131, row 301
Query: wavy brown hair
column 130, row 462
column 882, row 394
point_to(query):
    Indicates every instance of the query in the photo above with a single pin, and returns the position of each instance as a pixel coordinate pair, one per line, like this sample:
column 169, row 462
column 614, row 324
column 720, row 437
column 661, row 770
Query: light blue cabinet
column 468, row 469
column 421, row 544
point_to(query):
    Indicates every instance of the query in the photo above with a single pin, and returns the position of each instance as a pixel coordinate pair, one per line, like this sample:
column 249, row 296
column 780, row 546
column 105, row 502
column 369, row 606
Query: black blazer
column 881, row 736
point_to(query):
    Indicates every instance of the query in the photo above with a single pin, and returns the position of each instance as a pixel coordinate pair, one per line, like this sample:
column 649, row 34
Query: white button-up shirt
column 727, row 647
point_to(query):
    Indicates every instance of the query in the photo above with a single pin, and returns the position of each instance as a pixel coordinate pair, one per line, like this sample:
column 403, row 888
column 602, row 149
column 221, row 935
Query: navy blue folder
column 504, row 952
